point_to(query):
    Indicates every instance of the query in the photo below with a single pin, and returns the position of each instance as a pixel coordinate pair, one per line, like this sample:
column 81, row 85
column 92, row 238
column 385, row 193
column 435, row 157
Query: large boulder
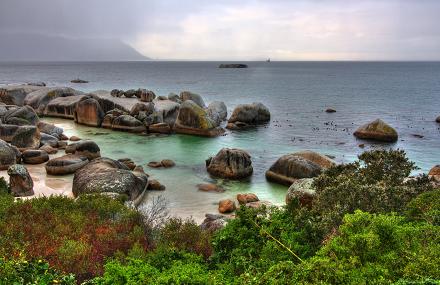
column 322, row 160
column 20, row 136
column 63, row 107
column 194, row 120
column 302, row 190
column 88, row 149
column 249, row 114
column 243, row 199
column 128, row 123
column 66, row 164
column 196, row 98
column 167, row 111
column 148, row 108
column 8, row 155
column 35, row 156
column 88, row 112
column 147, row 96
column 40, row 98
column 291, row 167
column 218, row 111
column 49, row 140
column 20, row 182
column 21, row 116
column 105, row 175
column 13, row 95
column 377, row 130
column 230, row 163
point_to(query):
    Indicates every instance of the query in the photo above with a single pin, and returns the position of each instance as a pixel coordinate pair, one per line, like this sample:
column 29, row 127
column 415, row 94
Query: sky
column 241, row 29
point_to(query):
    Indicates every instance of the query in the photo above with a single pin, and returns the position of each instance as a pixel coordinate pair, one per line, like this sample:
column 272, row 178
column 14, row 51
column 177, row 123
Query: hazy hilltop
column 33, row 47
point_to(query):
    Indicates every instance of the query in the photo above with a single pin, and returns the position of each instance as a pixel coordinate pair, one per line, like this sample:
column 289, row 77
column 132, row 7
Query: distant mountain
column 33, row 47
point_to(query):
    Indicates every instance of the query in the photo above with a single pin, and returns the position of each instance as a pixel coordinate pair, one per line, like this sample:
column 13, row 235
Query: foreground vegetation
column 368, row 224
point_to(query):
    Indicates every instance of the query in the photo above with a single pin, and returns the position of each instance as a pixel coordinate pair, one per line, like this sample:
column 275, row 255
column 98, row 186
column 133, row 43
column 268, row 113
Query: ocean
column 404, row 94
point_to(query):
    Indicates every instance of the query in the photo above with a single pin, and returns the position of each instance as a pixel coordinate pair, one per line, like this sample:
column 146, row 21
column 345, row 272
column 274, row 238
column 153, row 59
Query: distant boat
column 268, row 60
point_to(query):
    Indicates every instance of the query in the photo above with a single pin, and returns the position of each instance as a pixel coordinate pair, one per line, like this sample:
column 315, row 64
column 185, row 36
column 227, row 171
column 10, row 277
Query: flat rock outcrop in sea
column 233, row 65
column 377, row 130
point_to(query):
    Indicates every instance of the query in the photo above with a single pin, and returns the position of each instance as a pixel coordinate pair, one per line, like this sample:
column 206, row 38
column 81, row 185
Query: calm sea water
column 406, row 95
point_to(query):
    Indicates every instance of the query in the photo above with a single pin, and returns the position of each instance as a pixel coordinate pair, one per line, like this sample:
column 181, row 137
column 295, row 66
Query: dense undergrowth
column 369, row 224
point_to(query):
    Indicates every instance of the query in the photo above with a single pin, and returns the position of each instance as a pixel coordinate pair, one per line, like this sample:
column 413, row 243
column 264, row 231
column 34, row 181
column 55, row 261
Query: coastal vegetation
column 368, row 222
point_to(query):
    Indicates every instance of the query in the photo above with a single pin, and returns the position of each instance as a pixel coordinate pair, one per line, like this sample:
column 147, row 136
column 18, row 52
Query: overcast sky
column 242, row 30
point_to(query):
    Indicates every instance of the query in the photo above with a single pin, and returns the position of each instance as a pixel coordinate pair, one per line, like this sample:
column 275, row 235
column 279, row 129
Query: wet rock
column 8, row 155
column 49, row 129
column 161, row 128
column 88, row 149
column 322, row 160
column 437, row 119
column 330, row 110
column 88, row 112
column 62, row 144
column 128, row 162
column 40, row 99
column 209, row 187
column 20, row 136
column 250, row 114
column 167, row 163
column 49, row 140
column 196, row 98
column 213, row 223
column 47, row 148
column 302, row 190
column 148, row 108
column 21, row 116
column 161, row 98
column 247, row 198
column 154, row 184
column 74, row 138
column 230, row 163
column 377, row 130
column 217, row 111
column 129, row 124
column 226, row 206
column 174, row 97
column 291, row 167
column 104, row 175
column 79, row 81
column 194, row 120
column 147, row 96
column 139, row 169
column 37, row 83
column 34, row 156
column 62, row 107
column 20, row 182
column 155, row 164
column 13, row 95
column 66, row 164
column 233, row 65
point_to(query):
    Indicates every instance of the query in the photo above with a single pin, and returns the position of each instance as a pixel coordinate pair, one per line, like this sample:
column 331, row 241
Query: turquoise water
column 406, row 95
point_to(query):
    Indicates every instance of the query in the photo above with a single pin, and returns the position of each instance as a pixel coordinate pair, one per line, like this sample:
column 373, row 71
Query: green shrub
column 425, row 207
column 34, row 272
column 370, row 249
column 376, row 183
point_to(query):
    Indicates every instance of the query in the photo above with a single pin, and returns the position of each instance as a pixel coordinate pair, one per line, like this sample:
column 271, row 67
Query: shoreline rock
column 377, row 130
column 20, row 182
column 230, row 163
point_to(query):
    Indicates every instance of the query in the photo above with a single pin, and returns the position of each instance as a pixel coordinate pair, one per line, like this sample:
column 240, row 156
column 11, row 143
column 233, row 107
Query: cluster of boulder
column 137, row 111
